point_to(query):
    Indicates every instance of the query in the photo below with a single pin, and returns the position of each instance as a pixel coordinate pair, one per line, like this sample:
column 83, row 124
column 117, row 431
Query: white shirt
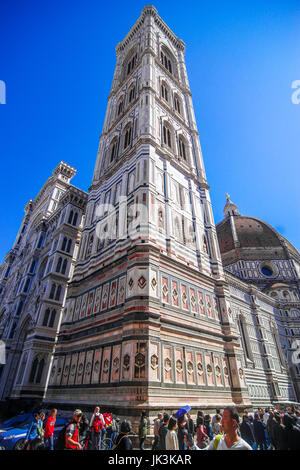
column 172, row 441
column 265, row 418
column 239, row 445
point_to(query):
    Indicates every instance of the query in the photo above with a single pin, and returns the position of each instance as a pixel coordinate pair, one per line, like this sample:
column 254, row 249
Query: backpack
column 217, row 441
column 61, row 438
column 108, row 419
column 97, row 424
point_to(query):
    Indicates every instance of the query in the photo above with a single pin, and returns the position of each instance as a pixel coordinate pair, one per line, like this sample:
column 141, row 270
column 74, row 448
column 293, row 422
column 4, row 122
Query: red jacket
column 49, row 426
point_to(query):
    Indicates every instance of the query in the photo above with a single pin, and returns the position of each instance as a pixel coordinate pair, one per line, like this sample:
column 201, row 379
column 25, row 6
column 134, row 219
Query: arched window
column 75, row 219
column 34, row 368
column 64, row 267
column 131, row 64
column 166, row 60
column 26, row 286
column 182, row 148
column 32, row 267
column 58, row 266
column 167, row 136
column 131, row 94
column 69, row 246
column 127, row 139
column 46, row 317
column 64, row 244
column 70, row 217
column 177, row 105
column 20, row 306
column 164, row 91
column 52, row 292
column 58, row 292
column 113, row 150
column 40, row 371
column 52, row 319
column 120, row 106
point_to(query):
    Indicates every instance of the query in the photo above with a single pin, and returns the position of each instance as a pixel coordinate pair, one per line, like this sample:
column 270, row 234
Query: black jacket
column 163, row 430
column 246, row 433
column 123, row 442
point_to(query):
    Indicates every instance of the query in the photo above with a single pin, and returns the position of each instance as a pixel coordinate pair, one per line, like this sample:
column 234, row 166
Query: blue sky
column 58, row 59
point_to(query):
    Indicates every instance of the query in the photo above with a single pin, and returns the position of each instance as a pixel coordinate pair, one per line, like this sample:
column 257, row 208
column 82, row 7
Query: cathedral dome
column 248, row 238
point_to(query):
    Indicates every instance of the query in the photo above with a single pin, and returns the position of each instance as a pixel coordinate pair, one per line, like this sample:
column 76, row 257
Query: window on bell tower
column 167, row 140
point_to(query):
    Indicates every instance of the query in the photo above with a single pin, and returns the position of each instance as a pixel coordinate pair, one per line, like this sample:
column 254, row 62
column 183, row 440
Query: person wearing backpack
column 35, row 431
column 97, row 425
column 72, row 432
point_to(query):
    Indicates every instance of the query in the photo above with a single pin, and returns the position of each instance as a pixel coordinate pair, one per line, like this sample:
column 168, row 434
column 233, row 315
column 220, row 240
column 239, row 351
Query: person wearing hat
column 163, row 430
column 171, row 437
column 72, row 432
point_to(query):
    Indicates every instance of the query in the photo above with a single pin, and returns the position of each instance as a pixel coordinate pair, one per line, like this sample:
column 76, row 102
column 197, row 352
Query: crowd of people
column 265, row 429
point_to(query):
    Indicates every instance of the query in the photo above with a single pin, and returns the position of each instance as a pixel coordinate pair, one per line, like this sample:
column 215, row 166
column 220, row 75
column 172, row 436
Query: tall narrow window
column 177, row 104
column 58, row 292
column 46, row 317
column 164, row 92
column 70, row 217
column 131, row 94
column 64, row 267
column 167, row 136
column 182, row 151
column 40, row 371
column 64, row 244
column 113, row 152
column 58, row 266
column 75, row 219
column 33, row 370
column 120, row 107
column 127, row 137
column 52, row 319
column 52, row 292
column 166, row 61
column 69, row 246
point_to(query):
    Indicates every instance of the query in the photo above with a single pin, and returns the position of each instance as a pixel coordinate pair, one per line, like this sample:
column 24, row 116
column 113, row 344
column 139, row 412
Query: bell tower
column 148, row 322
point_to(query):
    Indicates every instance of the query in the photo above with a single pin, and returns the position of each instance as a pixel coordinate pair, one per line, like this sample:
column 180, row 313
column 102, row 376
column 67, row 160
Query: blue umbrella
column 182, row 411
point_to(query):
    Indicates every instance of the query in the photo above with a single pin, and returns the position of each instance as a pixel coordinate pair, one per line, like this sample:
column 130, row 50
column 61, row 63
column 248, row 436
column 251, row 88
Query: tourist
column 217, row 425
column 84, row 434
column 208, row 427
column 246, row 431
column 163, row 430
column 291, row 434
column 97, row 426
column 123, row 442
column 157, row 423
column 259, row 432
column 214, row 418
column 171, row 437
column 72, row 432
column 182, row 428
column 35, row 430
column 49, row 429
column 143, row 429
column 202, row 437
column 231, row 440
column 190, row 424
